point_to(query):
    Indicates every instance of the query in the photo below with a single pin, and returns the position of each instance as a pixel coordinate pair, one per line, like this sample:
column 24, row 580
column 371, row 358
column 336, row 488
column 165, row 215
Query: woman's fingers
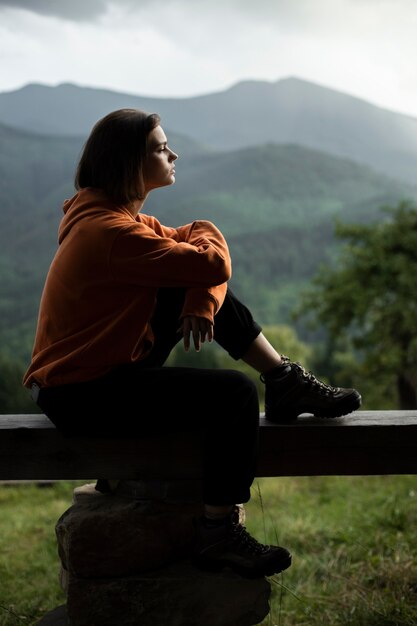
column 199, row 328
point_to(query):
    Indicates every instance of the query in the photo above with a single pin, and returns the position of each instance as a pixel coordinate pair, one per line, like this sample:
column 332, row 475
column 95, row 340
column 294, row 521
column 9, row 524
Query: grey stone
column 170, row 491
column 106, row 535
column 125, row 561
column 178, row 595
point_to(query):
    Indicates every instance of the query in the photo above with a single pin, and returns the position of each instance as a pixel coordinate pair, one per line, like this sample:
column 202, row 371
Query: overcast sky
column 367, row 48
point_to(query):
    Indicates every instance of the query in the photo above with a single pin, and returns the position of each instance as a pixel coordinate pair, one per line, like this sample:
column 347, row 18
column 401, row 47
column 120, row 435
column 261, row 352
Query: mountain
column 249, row 113
column 276, row 205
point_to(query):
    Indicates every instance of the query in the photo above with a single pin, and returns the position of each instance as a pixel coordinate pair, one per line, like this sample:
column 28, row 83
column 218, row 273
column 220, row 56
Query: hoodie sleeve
column 195, row 256
column 204, row 302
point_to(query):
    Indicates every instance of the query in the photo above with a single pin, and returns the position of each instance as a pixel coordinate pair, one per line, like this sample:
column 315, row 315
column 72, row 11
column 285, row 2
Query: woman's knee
column 242, row 394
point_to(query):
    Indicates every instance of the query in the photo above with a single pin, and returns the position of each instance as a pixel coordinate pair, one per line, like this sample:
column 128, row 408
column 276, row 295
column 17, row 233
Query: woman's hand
column 200, row 328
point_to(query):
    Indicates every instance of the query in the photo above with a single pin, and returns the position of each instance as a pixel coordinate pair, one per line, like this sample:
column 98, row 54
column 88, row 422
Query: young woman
column 121, row 292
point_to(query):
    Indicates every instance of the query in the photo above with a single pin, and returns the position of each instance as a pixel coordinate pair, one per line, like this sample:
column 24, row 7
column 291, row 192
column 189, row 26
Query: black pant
column 147, row 397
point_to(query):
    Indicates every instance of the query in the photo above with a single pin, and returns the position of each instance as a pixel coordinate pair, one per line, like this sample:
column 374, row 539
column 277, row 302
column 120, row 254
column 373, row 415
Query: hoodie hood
column 86, row 203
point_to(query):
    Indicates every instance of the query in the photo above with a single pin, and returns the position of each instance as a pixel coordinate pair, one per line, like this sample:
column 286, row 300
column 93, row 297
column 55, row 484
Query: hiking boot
column 229, row 545
column 290, row 390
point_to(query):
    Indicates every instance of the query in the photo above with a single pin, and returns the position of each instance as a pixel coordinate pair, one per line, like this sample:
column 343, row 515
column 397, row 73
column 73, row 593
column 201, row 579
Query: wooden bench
column 363, row 443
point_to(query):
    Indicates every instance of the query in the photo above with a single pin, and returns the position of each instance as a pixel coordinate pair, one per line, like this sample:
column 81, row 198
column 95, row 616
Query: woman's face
column 159, row 164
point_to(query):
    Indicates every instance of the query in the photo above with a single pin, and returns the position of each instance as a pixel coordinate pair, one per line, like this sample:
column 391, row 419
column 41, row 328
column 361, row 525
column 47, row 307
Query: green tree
column 370, row 296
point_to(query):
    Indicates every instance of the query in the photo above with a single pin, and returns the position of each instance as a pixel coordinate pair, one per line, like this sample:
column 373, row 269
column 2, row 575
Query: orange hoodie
column 100, row 290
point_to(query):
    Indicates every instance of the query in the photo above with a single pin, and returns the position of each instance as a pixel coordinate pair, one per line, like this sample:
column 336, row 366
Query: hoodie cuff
column 201, row 303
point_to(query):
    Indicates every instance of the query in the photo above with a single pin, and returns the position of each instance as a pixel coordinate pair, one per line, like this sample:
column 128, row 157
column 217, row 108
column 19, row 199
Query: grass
column 353, row 541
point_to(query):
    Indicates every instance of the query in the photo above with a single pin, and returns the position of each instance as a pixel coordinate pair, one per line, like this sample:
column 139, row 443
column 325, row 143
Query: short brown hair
column 113, row 155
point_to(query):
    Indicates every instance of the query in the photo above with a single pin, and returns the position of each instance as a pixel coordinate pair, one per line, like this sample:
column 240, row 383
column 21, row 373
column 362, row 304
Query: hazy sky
column 366, row 48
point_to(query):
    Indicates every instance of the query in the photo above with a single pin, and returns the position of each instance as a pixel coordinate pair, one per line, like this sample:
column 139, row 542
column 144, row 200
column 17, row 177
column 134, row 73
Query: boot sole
column 344, row 409
column 349, row 407
column 269, row 569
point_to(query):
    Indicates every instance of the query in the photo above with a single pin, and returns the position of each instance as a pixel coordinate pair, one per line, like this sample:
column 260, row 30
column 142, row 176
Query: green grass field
column 353, row 539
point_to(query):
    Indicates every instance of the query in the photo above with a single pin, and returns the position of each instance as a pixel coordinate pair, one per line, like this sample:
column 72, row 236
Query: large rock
column 106, row 535
column 178, row 595
column 126, row 562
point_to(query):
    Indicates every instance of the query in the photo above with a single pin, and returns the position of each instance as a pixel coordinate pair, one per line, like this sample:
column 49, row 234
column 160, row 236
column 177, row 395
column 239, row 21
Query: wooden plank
column 37, row 421
column 363, row 443
column 358, row 419
column 33, row 449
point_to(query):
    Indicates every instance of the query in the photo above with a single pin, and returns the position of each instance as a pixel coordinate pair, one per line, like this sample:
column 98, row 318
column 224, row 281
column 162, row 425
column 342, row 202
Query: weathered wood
column 363, row 443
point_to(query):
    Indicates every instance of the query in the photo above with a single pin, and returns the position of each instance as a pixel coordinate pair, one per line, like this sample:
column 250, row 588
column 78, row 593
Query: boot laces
column 249, row 543
column 309, row 377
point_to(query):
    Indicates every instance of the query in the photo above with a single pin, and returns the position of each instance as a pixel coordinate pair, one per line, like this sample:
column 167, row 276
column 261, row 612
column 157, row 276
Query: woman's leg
column 222, row 405
column 235, row 330
column 290, row 390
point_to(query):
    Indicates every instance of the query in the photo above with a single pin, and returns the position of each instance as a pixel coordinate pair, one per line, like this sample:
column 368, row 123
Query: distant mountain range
column 276, row 199
column 249, row 113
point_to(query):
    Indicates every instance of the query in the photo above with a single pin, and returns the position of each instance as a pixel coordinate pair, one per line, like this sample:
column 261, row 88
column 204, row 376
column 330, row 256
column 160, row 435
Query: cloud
column 288, row 15
column 74, row 10
column 292, row 13
column 190, row 47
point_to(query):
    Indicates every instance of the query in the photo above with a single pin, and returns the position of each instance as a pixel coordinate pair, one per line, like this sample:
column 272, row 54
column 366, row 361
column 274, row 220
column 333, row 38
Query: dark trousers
column 149, row 398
